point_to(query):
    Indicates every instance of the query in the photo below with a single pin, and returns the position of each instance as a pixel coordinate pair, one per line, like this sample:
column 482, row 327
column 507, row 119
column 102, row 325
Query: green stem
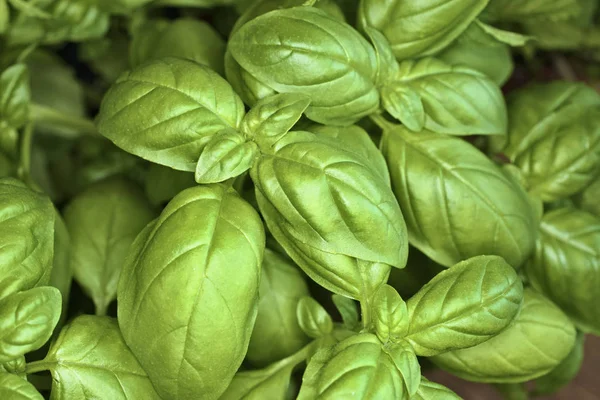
column 40, row 113
column 37, row 366
column 380, row 121
column 25, row 152
column 101, row 309
column 365, row 314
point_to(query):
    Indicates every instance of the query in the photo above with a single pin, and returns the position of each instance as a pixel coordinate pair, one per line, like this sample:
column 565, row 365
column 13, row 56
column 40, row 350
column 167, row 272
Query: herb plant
column 277, row 199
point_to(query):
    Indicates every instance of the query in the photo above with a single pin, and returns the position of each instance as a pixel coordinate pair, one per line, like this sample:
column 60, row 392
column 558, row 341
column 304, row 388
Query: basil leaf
column 27, row 320
column 164, row 183
column 62, row 271
column 103, row 221
column 565, row 264
column 312, row 318
column 361, row 368
column 387, row 66
column 14, row 95
column 347, row 309
column 304, row 50
column 455, row 100
column 4, row 16
column 527, row 10
column 540, row 337
column 448, row 185
column 176, row 263
column 27, row 237
column 390, row 314
column 225, row 156
column 476, row 49
column 328, row 211
column 15, row 388
column 587, row 200
column 135, row 116
column 272, row 117
column 15, row 366
column 510, row 38
column 417, row 29
column 90, row 359
column 277, row 333
column 464, row 305
column 405, row 104
column 564, row 373
column 356, row 140
column 434, row 391
column 185, row 38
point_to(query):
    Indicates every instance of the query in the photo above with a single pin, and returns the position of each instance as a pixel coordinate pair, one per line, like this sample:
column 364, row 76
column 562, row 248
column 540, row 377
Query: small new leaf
column 390, row 314
column 313, row 318
column 387, row 66
column 404, row 104
column 16, row 388
column 226, row 156
column 347, row 309
column 15, row 95
column 510, row 38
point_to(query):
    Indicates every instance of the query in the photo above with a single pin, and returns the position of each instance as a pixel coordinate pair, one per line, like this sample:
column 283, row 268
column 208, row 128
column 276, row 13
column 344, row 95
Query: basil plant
column 285, row 199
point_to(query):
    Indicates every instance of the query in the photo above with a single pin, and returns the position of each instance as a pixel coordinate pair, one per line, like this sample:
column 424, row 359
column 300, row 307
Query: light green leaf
column 333, row 214
column 347, row 309
column 163, row 183
column 511, row 38
column 540, row 337
column 15, row 95
column 405, row 104
column 312, row 318
column 305, row 50
column 463, row 306
column 277, row 334
column 419, row 28
column 564, row 373
column 185, row 38
column 450, row 184
column 390, row 314
column 15, row 388
column 103, row 221
column 177, row 281
column 387, row 66
column 478, row 50
column 434, row 391
column 228, row 154
column 15, row 366
column 27, row 320
column 272, row 117
column 167, row 110
column 62, row 271
column 360, row 367
column 456, row 100
column 566, row 265
column 27, row 237
column 90, row 360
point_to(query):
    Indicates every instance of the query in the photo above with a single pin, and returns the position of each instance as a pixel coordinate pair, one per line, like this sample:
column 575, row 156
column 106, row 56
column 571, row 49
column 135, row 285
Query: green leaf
column 463, row 306
column 228, row 154
column 511, row 38
column 554, row 137
column 450, row 184
column 163, row 183
column 587, row 200
column 387, row 66
column 271, row 382
column 390, row 315
column 347, row 309
column 272, row 117
column 90, row 360
column 27, row 237
column 405, row 104
column 276, row 333
column 185, row 38
column 456, row 100
column 15, row 95
column 434, row 391
column 312, row 318
column 566, row 265
column 15, row 388
column 103, row 221
column 540, row 337
column 27, row 320
column 15, row 366
column 356, row 140
column 333, row 214
column 362, row 368
column 528, row 10
column 62, row 270
column 176, row 291
column 304, row 50
column 167, row 110
column 422, row 28
column 4, row 16
column 478, row 50
column 564, row 373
